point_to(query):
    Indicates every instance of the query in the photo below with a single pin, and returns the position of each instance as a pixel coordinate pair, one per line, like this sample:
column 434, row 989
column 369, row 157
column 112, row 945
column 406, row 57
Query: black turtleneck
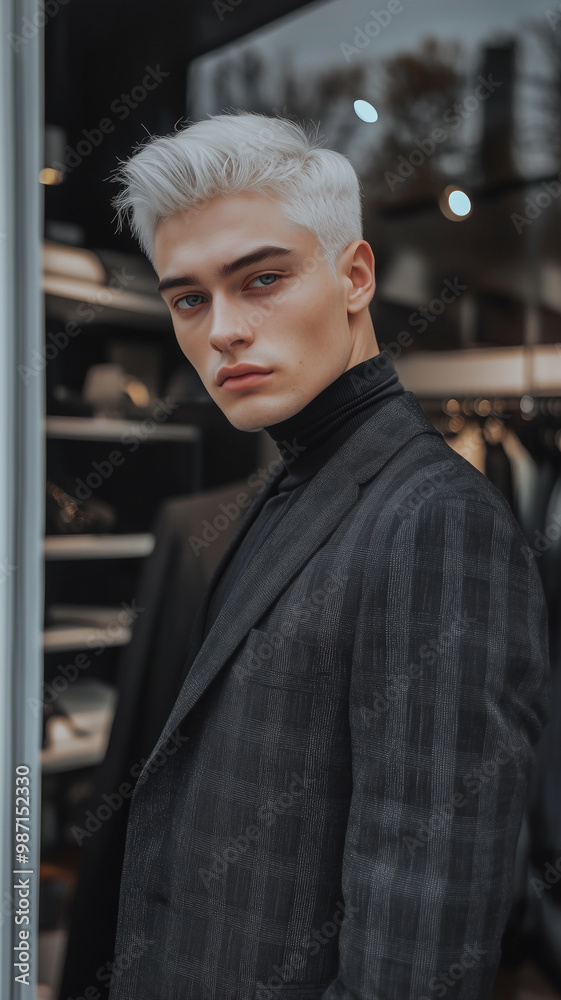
column 306, row 441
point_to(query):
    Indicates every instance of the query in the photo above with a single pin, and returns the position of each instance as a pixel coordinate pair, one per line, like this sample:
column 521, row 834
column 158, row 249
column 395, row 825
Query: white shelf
column 64, row 295
column 494, row 371
column 98, row 615
column 104, row 296
column 60, row 638
column 76, row 626
column 106, row 429
column 90, row 704
column 98, row 546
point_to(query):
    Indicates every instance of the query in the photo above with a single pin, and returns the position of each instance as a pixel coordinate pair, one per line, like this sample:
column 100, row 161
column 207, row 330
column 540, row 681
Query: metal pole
column 21, row 487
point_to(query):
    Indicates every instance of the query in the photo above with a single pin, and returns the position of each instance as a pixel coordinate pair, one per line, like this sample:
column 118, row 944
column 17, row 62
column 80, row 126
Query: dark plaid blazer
column 332, row 808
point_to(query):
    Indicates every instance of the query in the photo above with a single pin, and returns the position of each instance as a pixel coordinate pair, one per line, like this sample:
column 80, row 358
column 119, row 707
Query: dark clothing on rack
column 306, row 441
column 498, row 470
column 173, row 581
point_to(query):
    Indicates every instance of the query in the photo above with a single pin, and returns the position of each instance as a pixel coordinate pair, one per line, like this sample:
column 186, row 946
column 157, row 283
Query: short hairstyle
column 316, row 188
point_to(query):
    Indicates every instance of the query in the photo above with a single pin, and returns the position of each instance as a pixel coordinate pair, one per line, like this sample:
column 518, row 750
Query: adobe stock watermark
column 553, row 17
column 266, row 308
column 451, row 290
column 536, row 205
column 121, row 107
column 100, row 640
column 223, row 7
column 430, row 484
column 106, row 636
column 260, row 139
column 542, row 543
column 113, row 801
column 454, row 116
column 400, row 683
column 373, row 366
column 6, row 569
column 419, row 319
column 291, row 283
column 469, row 446
column 363, row 36
column 472, row 954
column 30, row 26
column 11, row 906
column 140, row 431
column 86, row 311
column 473, row 781
column 109, row 973
column 552, row 874
column 268, row 811
column 210, row 531
column 231, row 511
column 284, row 974
column 256, row 658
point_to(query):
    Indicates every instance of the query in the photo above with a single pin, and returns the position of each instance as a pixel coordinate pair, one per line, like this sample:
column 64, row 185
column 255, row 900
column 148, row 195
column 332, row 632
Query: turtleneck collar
column 309, row 438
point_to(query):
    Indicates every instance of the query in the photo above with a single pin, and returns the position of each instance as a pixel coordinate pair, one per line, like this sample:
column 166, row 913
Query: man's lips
column 243, row 381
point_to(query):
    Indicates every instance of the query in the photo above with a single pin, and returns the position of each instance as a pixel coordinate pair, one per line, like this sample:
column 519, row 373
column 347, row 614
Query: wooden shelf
column 61, row 638
column 108, row 305
column 90, row 705
column 106, row 429
column 98, row 546
column 495, row 371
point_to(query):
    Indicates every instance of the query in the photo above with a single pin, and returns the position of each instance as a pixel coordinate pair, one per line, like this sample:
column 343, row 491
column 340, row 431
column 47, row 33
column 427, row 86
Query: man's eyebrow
column 225, row 270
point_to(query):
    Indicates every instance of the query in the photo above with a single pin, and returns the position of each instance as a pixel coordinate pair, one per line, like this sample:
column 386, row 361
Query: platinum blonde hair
column 316, row 188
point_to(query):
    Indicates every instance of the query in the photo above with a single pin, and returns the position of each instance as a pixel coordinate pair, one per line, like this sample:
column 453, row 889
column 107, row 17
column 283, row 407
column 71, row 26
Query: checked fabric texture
column 340, row 817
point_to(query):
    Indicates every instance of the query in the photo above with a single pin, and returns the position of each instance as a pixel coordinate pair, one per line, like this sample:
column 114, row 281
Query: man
column 369, row 672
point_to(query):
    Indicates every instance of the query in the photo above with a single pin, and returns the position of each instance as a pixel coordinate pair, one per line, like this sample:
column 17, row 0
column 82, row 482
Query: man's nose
column 228, row 323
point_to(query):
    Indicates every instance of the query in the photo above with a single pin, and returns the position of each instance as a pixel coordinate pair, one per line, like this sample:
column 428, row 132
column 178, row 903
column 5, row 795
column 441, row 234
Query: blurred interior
column 451, row 114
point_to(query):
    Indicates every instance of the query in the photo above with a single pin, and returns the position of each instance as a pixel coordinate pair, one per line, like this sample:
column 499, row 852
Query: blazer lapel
column 303, row 529
column 196, row 637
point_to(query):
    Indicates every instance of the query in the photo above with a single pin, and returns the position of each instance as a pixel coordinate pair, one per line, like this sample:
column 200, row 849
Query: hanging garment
column 544, row 824
column 470, row 444
column 524, row 477
column 172, row 585
column 547, row 549
column 498, row 470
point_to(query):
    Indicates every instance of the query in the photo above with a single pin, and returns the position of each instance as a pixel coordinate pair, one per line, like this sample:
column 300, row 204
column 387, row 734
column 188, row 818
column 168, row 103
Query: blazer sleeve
column 448, row 697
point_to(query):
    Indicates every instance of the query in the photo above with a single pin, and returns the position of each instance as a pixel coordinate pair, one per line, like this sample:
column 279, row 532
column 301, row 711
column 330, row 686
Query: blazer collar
column 302, row 530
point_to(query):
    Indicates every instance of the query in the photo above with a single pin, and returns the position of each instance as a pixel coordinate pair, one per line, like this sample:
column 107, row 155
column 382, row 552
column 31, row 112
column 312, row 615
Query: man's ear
column 357, row 264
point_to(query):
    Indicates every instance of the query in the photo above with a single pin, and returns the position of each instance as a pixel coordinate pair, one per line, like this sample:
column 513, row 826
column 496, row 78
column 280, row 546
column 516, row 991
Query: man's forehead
column 246, row 215
column 236, row 203
column 185, row 243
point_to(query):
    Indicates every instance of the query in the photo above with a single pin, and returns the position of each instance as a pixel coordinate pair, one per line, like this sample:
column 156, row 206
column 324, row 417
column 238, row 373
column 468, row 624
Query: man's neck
column 307, row 439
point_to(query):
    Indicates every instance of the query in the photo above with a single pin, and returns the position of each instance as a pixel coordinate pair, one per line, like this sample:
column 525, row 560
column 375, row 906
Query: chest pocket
column 273, row 660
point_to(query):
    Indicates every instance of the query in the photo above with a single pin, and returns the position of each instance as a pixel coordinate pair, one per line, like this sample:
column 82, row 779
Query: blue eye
column 186, row 298
column 262, row 277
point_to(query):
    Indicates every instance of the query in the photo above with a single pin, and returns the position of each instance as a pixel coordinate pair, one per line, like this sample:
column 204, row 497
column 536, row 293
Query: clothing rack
column 449, row 413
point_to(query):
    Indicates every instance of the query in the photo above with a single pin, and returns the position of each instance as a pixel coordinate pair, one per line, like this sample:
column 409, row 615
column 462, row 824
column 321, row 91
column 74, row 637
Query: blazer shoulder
column 425, row 480
column 428, row 468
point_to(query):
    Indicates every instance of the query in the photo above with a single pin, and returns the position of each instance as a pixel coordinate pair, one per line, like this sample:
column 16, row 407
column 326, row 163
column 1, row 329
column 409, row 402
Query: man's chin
column 257, row 418
column 251, row 418
column 251, row 427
